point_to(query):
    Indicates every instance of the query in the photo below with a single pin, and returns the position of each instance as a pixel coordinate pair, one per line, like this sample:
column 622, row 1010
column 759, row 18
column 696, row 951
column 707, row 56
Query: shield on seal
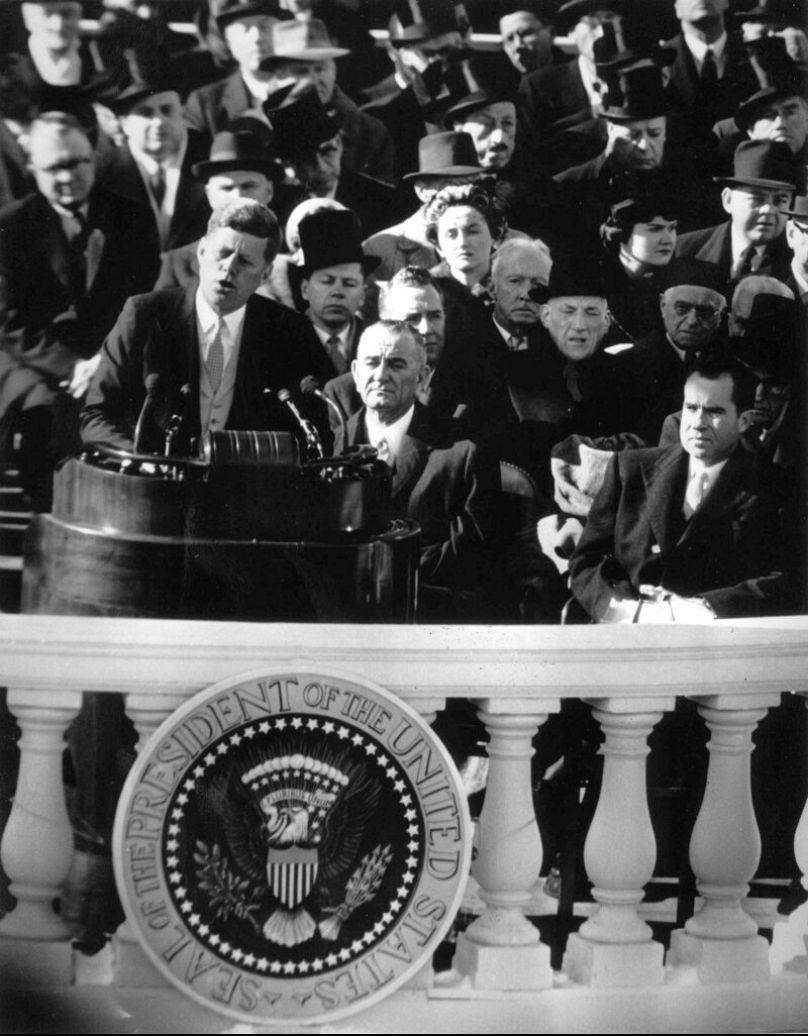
column 291, row 874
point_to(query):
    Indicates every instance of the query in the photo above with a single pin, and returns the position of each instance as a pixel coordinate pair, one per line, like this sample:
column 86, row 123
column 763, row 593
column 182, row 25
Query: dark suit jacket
column 659, row 377
column 118, row 172
column 210, row 108
column 738, row 82
column 451, row 492
column 367, row 143
column 15, row 179
column 550, row 95
column 730, row 552
column 713, row 246
column 156, row 334
column 36, row 290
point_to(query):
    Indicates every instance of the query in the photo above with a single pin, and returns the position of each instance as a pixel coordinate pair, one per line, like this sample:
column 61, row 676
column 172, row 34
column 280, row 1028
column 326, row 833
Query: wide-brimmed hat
column 301, row 41
column 235, row 9
column 763, row 163
column 482, row 89
column 574, row 10
column 145, row 74
column 579, row 272
column 330, row 238
column 416, row 21
column 446, row 154
column 799, row 209
column 781, row 83
column 299, row 120
column 635, row 93
column 240, row 149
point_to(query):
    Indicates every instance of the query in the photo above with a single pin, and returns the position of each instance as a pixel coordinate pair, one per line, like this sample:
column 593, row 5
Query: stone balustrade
column 517, row 676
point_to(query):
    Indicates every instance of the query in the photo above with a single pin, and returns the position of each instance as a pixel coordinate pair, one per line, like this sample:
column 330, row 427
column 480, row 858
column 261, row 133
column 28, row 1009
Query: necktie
column 709, row 73
column 517, row 344
column 76, row 248
column 748, row 262
column 383, row 452
column 332, row 344
column 573, row 382
column 157, row 182
column 215, row 360
column 696, row 492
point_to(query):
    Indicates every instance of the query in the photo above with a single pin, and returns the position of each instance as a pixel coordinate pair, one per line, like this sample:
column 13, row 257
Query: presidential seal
column 292, row 847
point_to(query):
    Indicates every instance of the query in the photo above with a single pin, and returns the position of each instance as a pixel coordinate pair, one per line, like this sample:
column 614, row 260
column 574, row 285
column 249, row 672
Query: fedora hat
column 574, row 10
column 301, row 41
column 799, row 209
column 240, row 149
column 299, row 120
column 416, row 21
column 787, row 81
column 145, row 74
column 332, row 237
column 446, row 154
column 232, row 10
column 635, row 93
column 763, row 163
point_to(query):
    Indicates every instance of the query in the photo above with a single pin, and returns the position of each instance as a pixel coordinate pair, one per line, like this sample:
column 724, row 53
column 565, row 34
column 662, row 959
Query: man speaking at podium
column 204, row 355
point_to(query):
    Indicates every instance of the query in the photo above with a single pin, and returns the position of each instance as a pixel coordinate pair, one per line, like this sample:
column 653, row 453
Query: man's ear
column 304, row 289
column 200, row 248
column 269, row 268
column 544, row 314
column 726, row 199
column 746, row 420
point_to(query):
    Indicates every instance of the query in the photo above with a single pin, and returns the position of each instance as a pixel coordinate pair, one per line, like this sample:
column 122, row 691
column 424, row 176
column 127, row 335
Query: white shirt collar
column 63, row 70
column 149, row 165
column 508, row 335
column 698, row 48
column 696, row 468
column 260, row 89
column 208, row 318
column 391, row 433
column 323, row 334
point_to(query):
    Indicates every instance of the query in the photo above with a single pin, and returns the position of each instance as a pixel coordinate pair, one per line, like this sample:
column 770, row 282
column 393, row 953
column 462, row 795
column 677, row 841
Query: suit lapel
column 410, row 462
column 665, row 482
column 54, row 245
column 728, row 493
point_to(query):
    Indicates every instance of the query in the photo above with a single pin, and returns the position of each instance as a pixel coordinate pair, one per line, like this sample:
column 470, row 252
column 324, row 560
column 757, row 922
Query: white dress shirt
column 698, row 48
column 172, row 168
column 214, row 409
column 392, row 434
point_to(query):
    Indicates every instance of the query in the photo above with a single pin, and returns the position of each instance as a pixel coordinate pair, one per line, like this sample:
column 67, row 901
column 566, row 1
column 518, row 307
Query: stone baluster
column 501, row 948
column 37, row 845
column 615, row 946
column 720, row 941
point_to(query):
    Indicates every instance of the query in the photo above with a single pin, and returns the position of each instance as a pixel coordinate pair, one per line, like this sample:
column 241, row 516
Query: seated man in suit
column 449, row 490
column 70, row 255
column 766, row 176
column 693, row 531
column 207, row 353
column 55, row 51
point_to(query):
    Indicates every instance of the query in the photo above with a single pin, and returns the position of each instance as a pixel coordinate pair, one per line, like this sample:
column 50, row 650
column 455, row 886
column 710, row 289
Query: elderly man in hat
column 756, row 197
column 308, row 137
column 779, row 111
column 240, row 165
column 303, row 51
column 154, row 167
column 55, row 54
column 333, row 274
column 247, row 28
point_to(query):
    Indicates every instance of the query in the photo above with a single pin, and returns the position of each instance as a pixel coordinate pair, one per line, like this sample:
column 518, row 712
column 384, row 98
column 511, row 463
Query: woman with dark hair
column 465, row 224
column 639, row 239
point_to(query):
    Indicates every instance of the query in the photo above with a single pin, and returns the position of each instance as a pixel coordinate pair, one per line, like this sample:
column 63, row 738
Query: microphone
column 176, row 420
column 314, row 448
column 309, row 386
column 151, row 382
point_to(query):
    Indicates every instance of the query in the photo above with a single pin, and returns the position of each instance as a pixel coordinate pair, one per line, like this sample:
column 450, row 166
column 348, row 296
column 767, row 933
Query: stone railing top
column 517, row 663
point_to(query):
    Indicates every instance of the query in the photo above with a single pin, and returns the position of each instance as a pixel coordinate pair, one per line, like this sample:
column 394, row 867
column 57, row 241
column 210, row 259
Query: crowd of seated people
column 585, row 269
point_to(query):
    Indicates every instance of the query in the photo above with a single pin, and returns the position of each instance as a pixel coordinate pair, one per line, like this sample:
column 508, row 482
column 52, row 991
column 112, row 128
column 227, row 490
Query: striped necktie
column 215, row 360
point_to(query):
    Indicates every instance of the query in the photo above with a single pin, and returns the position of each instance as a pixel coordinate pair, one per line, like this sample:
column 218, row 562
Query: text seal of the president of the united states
column 291, row 846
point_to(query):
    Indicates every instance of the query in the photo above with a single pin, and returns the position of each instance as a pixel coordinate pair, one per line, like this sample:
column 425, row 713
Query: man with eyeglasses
column 660, row 361
column 70, row 255
column 757, row 197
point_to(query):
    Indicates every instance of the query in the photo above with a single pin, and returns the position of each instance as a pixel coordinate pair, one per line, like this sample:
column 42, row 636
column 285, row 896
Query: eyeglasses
column 704, row 313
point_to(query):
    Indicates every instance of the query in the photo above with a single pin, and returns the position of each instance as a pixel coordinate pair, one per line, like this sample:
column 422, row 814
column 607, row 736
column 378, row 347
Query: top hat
column 446, row 154
column 633, row 93
column 483, row 89
column 232, row 10
column 301, row 41
column 637, row 46
column 579, row 272
column 240, row 149
column 416, row 21
column 763, row 163
column 332, row 237
column 299, row 119
column 574, row 10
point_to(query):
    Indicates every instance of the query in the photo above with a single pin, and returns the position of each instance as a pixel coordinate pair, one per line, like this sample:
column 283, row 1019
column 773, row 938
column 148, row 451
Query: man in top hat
column 240, row 165
column 154, row 168
column 564, row 94
column 303, row 51
column 308, row 138
column 444, row 159
column 208, row 351
column 692, row 531
column 757, row 196
column 488, row 114
column 70, row 254
column 779, row 111
column 426, row 46
column 333, row 275
column 247, row 28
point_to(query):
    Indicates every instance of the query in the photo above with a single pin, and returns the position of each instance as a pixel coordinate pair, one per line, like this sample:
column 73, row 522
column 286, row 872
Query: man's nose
column 421, row 325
